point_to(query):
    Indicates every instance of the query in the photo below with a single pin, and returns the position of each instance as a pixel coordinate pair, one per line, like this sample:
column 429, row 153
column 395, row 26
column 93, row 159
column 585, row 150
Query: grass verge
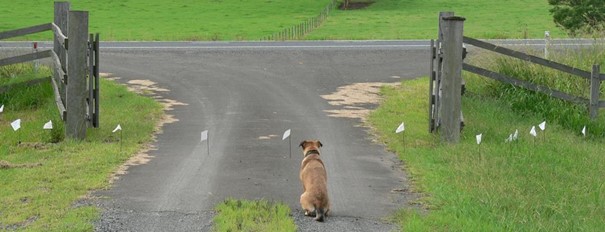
column 550, row 183
column 260, row 215
column 43, row 182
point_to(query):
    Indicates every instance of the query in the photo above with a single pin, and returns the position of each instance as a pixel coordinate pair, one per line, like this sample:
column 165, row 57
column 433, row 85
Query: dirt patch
column 354, row 100
column 144, row 87
column 354, row 5
column 8, row 165
column 150, row 89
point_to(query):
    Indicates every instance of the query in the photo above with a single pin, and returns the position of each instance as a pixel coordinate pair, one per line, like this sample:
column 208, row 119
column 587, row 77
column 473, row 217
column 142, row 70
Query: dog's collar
column 309, row 152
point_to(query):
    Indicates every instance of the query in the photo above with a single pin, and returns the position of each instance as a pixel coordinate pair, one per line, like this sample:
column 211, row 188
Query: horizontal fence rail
column 79, row 107
column 7, row 88
column 595, row 77
column 25, row 31
column 526, row 57
column 523, row 84
column 26, row 57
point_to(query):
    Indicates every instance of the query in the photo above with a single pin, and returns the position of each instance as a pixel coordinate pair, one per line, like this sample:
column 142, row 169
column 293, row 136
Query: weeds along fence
column 594, row 76
column 299, row 31
column 76, row 67
column 447, row 62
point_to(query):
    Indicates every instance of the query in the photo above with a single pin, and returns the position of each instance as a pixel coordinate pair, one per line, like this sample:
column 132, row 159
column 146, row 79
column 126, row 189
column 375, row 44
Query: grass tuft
column 259, row 215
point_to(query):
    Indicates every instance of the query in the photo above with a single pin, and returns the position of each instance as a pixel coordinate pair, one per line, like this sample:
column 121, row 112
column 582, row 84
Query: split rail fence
column 447, row 55
column 76, row 67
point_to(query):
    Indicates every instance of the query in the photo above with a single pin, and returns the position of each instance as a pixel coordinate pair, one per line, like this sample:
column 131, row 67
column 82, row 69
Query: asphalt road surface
column 247, row 96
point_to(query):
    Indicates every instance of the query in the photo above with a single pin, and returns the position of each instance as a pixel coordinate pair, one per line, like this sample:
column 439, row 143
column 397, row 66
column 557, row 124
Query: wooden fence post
column 75, row 127
column 595, row 88
column 451, row 102
column 61, row 19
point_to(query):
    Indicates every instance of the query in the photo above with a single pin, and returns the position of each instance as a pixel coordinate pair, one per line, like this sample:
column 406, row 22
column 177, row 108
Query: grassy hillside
column 191, row 20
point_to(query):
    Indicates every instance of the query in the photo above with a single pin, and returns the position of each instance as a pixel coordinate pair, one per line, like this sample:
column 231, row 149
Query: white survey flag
column 400, row 128
column 542, row 125
column 584, row 131
column 509, row 139
column 16, row 124
column 533, row 131
column 204, row 136
column 48, row 125
column 118, row 128
column 516, row 135
column 286, row 134
column 1, row 108
column 479, row 138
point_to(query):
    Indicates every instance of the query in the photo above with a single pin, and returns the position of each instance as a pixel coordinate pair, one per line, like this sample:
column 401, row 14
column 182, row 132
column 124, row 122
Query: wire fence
column 299, row 31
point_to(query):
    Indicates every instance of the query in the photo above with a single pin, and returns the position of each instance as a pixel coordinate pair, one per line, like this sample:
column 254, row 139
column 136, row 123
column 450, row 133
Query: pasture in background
column 154, row 20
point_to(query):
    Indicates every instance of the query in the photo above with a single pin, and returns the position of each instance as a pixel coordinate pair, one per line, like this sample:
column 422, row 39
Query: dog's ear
column 302, row 144
column 318, row 142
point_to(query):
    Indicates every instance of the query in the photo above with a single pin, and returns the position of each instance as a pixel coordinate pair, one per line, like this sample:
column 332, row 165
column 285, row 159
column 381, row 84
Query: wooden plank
column 530, row 58
column 523, row 84
column 6, row 88
column 75, row 124
column 97, row 84
column 25, row 58
column 61, row 11
column 91, row 78
column 595, row 89
column 431, row 79
column 25, row 31
column 59, row 36
column 58, row 69
column 58, row 100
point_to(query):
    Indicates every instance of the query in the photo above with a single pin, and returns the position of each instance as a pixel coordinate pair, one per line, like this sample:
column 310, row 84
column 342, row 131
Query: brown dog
column 314, row 199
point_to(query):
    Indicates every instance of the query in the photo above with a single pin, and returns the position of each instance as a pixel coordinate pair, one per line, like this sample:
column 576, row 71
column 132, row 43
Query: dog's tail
column 319, row 214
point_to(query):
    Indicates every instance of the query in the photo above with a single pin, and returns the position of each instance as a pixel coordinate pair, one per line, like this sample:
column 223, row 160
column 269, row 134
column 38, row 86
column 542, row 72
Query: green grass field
column 41, row 181
column 189, row 20
column 134, row 20
column 551, row 183
column 397, row 19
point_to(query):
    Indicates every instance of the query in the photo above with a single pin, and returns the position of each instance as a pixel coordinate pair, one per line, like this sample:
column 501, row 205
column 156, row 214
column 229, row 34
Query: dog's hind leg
column 319, row 215
column 307, row 206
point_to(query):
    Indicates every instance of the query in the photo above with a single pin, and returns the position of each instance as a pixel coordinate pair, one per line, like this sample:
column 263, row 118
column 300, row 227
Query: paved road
column 243, row 94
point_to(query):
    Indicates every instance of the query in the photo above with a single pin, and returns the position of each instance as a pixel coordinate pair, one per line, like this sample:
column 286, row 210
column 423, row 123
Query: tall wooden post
column 451, row 98
column 75, row 127
column 595, row 87
column 61, row 19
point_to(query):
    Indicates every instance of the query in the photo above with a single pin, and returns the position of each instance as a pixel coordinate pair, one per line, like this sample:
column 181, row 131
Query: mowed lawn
column 135, row 20
column 413, row 19
column 205, row 20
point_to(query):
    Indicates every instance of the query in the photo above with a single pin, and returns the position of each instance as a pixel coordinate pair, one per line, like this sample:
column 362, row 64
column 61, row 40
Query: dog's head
column 310, row 146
